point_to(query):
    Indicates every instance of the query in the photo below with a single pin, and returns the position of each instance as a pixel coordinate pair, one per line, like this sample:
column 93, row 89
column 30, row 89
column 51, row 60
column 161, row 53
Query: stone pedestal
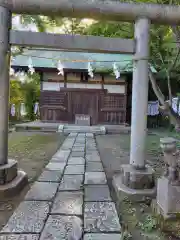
column 134, row 183
column 168, row 186
column 168, row 198
column 12, row 180
column 137, row 179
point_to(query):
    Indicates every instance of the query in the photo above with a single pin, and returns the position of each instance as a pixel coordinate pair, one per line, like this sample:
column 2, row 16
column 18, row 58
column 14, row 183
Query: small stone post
column 11, row 180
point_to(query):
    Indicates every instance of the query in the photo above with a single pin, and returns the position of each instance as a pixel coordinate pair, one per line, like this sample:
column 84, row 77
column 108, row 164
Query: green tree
column 31, row 92
column 164, row 53
column 16, row 94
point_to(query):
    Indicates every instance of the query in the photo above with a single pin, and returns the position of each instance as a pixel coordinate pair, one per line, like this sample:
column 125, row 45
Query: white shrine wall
column 54, row 82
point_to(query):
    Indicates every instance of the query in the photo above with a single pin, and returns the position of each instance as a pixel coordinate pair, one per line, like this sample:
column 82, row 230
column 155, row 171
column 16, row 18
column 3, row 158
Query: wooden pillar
column 82, row 77
column 86, row 77
column 41, row 80
column 65, row 79
column 5, row 25
column 41, row 89
column 102, row 81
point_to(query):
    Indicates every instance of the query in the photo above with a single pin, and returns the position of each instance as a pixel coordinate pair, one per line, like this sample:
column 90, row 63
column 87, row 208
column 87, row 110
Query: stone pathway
column 70, row 200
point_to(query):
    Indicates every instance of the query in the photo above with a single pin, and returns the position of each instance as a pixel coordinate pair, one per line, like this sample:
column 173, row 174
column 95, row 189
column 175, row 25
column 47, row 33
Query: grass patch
column 33, row 151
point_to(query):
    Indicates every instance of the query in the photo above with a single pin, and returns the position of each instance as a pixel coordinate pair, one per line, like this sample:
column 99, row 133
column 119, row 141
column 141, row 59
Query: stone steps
column 97, row 130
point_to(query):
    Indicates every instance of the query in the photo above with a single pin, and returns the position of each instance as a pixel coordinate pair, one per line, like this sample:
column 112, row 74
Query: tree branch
column 156, row 88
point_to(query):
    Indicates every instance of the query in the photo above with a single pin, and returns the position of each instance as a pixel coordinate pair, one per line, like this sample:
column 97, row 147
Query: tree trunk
column 165, row 107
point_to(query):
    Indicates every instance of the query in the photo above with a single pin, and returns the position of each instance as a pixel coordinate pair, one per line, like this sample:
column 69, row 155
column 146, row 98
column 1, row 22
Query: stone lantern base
column 168, row 198
column 168, row 186
column 12, row 180
column 136, row 184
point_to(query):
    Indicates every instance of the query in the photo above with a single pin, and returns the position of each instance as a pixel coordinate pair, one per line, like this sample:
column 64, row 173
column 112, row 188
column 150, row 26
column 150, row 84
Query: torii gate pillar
column 140, row 94
column 136, row 178
column 11, row 179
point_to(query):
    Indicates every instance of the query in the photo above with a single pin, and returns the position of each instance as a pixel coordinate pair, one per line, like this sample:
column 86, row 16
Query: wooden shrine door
column 82, row 101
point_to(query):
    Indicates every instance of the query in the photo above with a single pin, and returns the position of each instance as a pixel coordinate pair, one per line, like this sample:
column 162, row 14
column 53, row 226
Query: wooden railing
column 53, row 113
column 113, row 109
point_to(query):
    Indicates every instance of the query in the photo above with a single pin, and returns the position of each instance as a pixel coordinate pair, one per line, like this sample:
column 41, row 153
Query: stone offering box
column 83, row 120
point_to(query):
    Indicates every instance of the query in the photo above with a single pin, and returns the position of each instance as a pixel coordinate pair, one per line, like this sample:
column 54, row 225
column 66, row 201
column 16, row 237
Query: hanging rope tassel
column 90, row 70
column 30, row 66
column 116, row 71
column 60, row 68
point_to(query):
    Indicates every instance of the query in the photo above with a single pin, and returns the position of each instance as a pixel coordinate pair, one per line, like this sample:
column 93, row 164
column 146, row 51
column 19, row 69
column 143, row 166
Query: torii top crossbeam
column 97, row 9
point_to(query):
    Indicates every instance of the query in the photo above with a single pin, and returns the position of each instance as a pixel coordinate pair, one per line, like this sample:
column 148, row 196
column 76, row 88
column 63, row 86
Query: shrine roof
column 42, row 58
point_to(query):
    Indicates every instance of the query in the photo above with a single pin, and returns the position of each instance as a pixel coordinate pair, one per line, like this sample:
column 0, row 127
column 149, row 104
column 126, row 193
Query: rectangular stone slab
column 76, row 161
column 72, row 135
column 94, row 167
column 71, row 182
column 55, row 166
column 29, row 217
column 77, row 154
column 95, row 178
column 61, row 159
column 80, row 140
column 19, row 237
column 101, row 217
column 62, row 228
column 66, row 147
column 50, row 176
column 74, row 169
column 81, row 134
column 78, row 149
column 102, row 236
column 68, row 203
column 92, row 157
column 89, row 135
column 62, row 154
column 97, row 193
column 79, row 145
column 42, row 191
column 69, row 141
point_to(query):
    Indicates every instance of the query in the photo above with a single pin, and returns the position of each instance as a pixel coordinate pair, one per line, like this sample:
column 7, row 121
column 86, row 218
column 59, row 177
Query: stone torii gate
column 142, row 14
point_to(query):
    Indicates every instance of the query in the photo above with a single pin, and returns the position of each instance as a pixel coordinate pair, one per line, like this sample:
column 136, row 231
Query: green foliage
column 16, row 94
column 31, row 89
column 27, row 92
column 149, row 224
